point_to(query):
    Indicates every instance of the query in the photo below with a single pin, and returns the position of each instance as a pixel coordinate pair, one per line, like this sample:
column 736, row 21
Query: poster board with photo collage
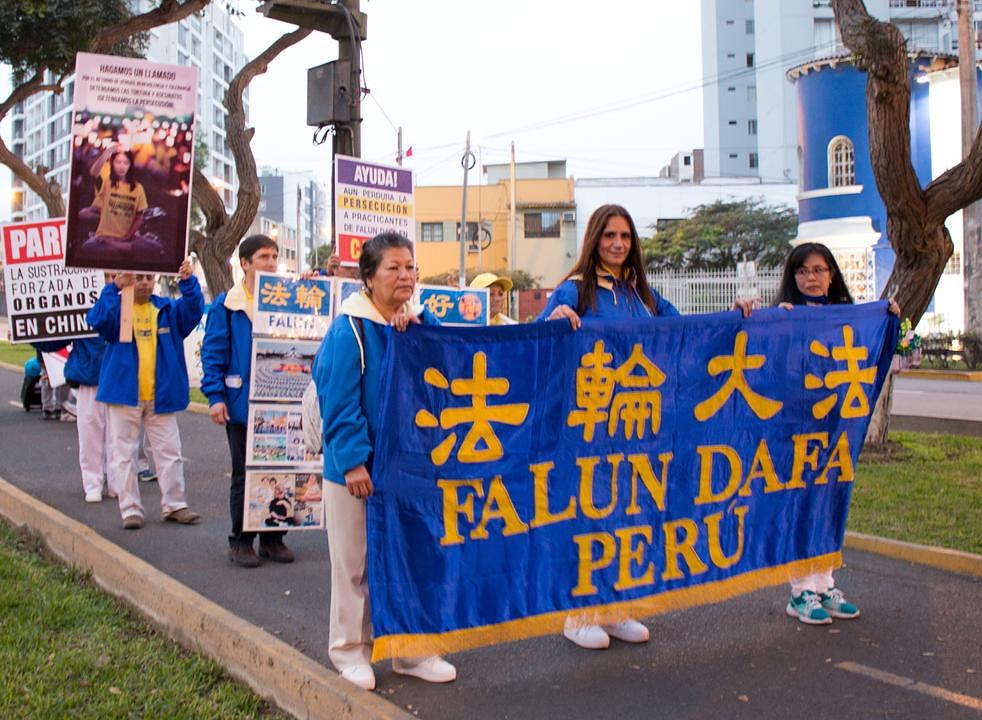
column 284, row 481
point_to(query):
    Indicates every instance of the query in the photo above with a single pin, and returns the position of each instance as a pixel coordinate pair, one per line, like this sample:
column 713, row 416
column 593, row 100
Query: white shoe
column 629, row 631
column 591, row 637
column 93, row 497
column 361, row 675
column 433, row 669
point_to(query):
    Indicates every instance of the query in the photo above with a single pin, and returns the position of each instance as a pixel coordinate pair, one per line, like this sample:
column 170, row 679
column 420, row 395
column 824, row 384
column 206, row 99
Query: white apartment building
column 209, row 40
column 748, row 46
column 297, row 200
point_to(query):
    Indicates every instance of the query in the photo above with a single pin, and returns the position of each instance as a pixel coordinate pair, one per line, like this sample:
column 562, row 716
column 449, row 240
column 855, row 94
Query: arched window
column 842, row 162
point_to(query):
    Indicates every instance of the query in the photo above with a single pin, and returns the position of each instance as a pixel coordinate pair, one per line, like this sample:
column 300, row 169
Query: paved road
column 740, row 659
column 955, row 399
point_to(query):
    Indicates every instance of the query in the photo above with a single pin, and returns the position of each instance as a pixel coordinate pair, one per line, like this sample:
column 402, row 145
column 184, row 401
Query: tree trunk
column 879, row 425
column 915, row 215
column 222, row 232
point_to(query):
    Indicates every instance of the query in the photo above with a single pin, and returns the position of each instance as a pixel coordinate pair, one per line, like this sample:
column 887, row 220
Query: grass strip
column 69, row 650
column 15, row 354
column 922, row 488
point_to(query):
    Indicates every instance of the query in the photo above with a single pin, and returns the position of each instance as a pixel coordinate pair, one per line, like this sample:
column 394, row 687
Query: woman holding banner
column 812, row 277
column 608, row 282
column 347, row 373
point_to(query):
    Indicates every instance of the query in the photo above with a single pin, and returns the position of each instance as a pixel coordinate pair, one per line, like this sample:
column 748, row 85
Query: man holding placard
column 226, row 364
column 147, row 380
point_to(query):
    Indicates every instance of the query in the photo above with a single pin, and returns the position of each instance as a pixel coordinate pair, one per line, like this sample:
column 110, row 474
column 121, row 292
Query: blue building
column 838, row 203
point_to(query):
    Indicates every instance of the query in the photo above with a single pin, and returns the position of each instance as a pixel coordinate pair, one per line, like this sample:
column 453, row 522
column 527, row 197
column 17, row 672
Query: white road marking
column 911, row 684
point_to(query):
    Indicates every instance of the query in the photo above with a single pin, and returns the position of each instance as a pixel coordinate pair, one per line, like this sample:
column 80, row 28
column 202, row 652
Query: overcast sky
column 613, row 87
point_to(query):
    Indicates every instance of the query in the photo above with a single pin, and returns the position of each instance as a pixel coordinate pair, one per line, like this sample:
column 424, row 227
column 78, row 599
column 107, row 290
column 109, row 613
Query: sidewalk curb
column 924, row 374
column 954, row 561
column 273, row 669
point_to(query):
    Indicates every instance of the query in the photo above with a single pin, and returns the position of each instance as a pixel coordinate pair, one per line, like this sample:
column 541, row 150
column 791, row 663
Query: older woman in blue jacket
column 608, row 282
column 347, row 372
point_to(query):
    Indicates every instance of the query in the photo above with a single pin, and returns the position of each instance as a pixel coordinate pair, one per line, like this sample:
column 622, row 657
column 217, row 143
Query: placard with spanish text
column 45, row 300
column 132, row 157
column 370, row 199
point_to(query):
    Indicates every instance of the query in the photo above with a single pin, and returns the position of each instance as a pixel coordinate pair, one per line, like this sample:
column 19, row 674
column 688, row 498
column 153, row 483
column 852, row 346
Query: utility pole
column 399, row 145
column 343, row 21
column 512, row 249
column 467, row 162
column 971, row 240
column 347, row 136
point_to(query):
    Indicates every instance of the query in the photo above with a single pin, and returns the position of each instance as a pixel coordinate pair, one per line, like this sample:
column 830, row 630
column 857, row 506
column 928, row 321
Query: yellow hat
column 488, row 279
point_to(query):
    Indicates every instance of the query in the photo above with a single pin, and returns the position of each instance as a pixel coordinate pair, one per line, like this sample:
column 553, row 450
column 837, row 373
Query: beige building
column 545, row 224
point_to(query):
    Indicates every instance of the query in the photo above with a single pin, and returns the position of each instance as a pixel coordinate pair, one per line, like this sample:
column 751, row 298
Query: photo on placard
column 281, row 368
column 283, row 501
column 274, row 436
column 132, row 155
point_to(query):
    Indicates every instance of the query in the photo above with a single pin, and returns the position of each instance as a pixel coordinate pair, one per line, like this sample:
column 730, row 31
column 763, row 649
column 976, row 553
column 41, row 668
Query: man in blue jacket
column 147, row 379
column 226, row 363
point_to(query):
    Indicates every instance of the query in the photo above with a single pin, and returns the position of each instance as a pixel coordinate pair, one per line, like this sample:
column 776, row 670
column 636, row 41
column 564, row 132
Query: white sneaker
column 93, row 497
column 361, row 675
column 591, row 637
column 433, row 669
column 629, row 631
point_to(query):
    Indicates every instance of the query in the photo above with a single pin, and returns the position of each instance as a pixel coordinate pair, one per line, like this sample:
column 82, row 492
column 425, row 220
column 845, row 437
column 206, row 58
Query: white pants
column 93, row 441
column 165, row 445
column 820, row 582
column 350, row 640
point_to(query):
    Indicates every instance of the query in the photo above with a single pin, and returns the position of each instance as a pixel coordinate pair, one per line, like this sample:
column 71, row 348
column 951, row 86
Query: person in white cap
column 498, row 288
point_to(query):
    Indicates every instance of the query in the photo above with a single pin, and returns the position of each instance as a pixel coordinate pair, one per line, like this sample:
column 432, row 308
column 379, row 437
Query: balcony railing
column 919, row 3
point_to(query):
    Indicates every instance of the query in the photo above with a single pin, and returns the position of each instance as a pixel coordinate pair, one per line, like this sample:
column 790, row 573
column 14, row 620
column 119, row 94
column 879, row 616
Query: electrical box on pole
column 328, row 94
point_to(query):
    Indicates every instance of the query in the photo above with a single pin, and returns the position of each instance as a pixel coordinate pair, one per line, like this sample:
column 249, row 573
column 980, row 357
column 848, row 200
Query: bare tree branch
column 209, row 201
column 48, row 190
column 168, row 11
column 959, row 186
column 29, row 88
column 215, row 253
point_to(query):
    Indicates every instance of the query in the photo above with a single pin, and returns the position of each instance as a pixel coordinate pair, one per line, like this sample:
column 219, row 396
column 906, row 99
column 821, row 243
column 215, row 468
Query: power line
column 730, row 75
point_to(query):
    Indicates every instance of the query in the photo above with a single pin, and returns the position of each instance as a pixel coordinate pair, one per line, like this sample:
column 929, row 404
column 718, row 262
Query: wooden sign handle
column 126, row 314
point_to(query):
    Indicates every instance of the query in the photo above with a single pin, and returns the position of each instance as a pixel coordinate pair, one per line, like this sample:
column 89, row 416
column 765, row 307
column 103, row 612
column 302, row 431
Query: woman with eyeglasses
column 812, row 277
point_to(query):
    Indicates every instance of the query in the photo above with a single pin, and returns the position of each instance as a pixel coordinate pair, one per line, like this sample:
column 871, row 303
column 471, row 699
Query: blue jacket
column 226, row 354
column 85, row 361
column 348, row 373
column 615, row 299
column 119, row 379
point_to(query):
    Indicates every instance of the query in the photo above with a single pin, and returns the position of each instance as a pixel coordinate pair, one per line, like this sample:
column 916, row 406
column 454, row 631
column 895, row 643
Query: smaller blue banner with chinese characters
column 456, row 306
column 526, row 473
column 287, row 306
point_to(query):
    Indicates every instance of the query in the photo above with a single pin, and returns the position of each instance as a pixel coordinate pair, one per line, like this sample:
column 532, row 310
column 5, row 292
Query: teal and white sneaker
column 837, row 606
column 807, row 607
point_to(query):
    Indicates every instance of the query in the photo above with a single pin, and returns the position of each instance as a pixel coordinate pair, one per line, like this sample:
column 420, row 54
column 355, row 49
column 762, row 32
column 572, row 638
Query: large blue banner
column 625, row 469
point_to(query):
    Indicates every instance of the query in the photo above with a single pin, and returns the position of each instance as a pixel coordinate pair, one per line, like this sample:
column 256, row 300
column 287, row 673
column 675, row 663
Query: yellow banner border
column 421, row 645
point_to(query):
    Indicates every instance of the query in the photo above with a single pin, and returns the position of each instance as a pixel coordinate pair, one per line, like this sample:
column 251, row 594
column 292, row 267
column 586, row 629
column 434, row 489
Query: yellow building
column 545, row 224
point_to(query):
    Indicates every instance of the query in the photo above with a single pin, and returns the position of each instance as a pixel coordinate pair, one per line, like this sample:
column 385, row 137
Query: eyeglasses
column 806, row 271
